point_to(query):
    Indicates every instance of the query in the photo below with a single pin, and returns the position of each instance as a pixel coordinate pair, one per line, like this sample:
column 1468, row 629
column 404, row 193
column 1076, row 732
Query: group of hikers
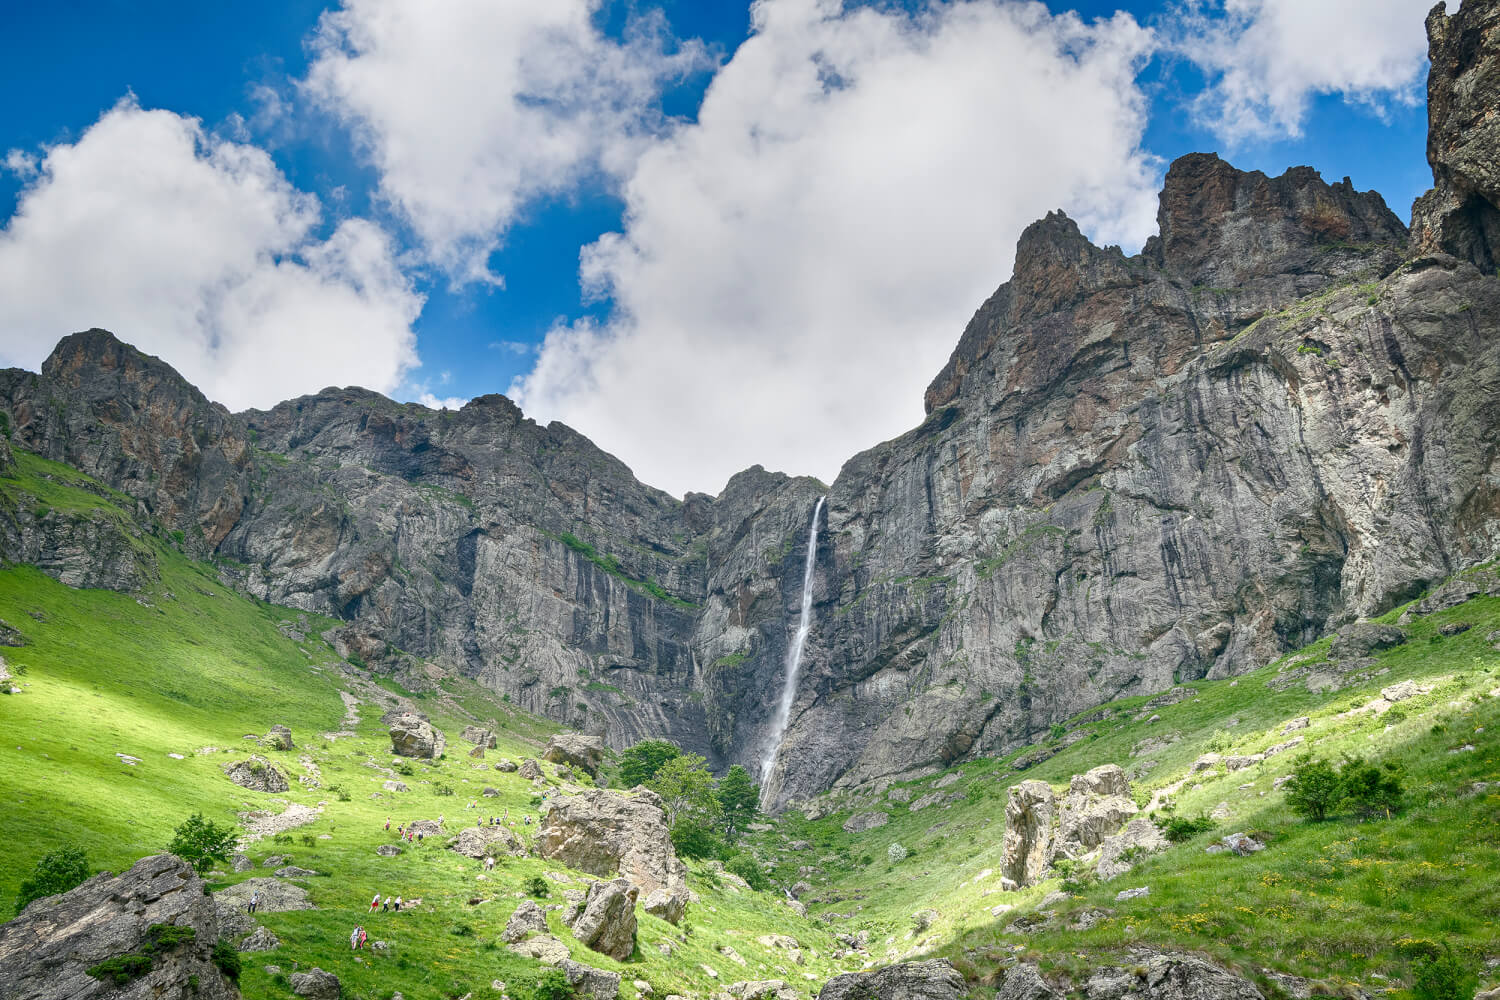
column 385, row 905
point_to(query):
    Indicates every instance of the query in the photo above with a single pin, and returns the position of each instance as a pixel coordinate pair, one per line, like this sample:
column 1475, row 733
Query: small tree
column 739, row 801
column 1315, row 788
column 1443, row 977
column 201, row 842
column 1372, row 790
column 747, row 868
column 640, row 763
column 65, row 868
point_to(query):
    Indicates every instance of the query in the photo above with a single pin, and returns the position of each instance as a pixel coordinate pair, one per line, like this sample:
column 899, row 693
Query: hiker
column 387, row 824
column 354, row 939
column 374, row 902
column 440, row 820
column 398, row 904
column 489, row 864
column 254, row 901
column 363, row 937
column 385, row 907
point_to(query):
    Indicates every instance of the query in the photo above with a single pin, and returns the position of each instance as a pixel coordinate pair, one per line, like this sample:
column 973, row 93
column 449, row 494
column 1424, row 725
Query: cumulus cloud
column 472, row 109
column 797, row 264
column 1267, row 59
column 197, row 249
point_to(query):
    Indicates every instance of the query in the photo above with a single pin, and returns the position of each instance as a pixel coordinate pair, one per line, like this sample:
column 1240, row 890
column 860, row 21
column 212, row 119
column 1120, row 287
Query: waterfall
column 793, row 654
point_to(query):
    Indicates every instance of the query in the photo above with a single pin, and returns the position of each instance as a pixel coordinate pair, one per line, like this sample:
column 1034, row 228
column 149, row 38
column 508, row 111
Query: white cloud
column 1267, row 59
column 198, row 249
column 471, row 109
column 797, row 265
column 433, row 402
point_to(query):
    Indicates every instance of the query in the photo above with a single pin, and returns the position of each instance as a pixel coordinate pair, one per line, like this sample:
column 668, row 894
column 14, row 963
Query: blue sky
column 344, row 204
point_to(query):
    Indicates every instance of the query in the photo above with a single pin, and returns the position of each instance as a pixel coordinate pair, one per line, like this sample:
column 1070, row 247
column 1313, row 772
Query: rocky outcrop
column 256, row 774
column 1097, row 804
column 1117, row 853
column 668, row 905
column 583, row 752
column 528, row 918
column 860, row 822
column 1461, row 214
column 607, row 833
column 1030, row 832
column 607, row 923
column 276, row 896
column 279, row 738
column 412, row 736
column 1364, row 638
column 529, row 769
column 1024, row 981
column 315, row 984
column 487, row 841
column 154, row 923
column 1155, row 976
column 936, row 980
column 588, row 981
column 479, row 736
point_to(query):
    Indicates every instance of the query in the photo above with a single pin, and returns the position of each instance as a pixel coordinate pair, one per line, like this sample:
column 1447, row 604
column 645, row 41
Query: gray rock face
column 256, row 774
column 1140, row 835
column 1097, row 804
column 1169, row 977
column 315, row 984
column 1364, row 638
column 607, row 923
column 415, row 737
column 260, row 939
column 479, row 736
column 528, row 918
column 607, row 833
column 46, row 951
column 276, row 896
column 530, row 770
column 583, row 752
column 936, row 980
column 860, row 822
column 480, row 841
column 1263, row 402
column 1030, row 831
column 1025, row 982
column 588, row 981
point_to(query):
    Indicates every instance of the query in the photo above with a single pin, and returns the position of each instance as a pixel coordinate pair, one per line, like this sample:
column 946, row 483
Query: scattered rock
column 394, row 786
column 1030, row 816
column 1168, row 977
column 607, row 923
column 1208, row 762
column 412, row 736
column 481, row 841
column 1400, row 692
column 1125, row 894
column 930, row 799
column 669, row 906
column 276, row 896
column 530, row 769
column 316, row 984
column 576, row 750
column 899, row 794
column 528, row 918
column 261, row 940
column 292, row 871
column 544, row 948
column 1299, row 723
column 1221, row 811
column 1025, row 982
column 508, row 766
column 860, row 822
column 241, row 863
column 257, row 774
column 46, row 951
column 760, row 989
column 1364, row 638
column 936, row 980
column 923, row 919
column 1241, row 762
column 1242, row 844
column 490, row 793
column 1454, row 628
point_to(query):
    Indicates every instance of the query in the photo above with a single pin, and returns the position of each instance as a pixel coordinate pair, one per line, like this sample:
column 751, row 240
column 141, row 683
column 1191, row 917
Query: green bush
column 895, row 853
column 404, row 767
column 1315, row 790
column 1370, row 789
column 746, row 867
column 694, row 838
column 1182, row 828
column 552, row 984
column 121, row 969
column 201, row 842
column 1443, row 977
column 1219, row 741
column 65, row 868
column 227, row 959
column 537, row 886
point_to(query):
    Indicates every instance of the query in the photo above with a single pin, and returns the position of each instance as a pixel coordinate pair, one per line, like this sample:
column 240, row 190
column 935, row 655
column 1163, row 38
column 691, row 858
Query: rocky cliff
column 1282, row 415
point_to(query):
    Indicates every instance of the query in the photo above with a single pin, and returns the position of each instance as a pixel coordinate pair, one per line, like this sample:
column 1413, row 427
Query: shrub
column 537, row 886
column 694, row 838
column 1057, row 732
column 745, row 866
column 121, row 969
column 442, row 789
column 552, row 984
column 1315, row 789
column 896, row 853
column 1219, row 741
column 341, row 792
column 1372, row 790
column 227, row 959
column 59, row 871
column 1443, row 977
column 404, row 767
column 201, row 842
column 1182, row 828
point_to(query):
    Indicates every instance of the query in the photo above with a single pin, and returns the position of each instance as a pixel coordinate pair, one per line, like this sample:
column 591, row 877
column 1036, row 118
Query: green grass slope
column 192, row 669
column 1341, row 901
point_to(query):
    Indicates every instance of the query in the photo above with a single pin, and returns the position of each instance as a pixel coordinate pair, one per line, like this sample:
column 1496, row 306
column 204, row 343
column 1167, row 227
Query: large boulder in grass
column 936, row 980
column 605, row 833
column 1030, row 832
column 1167, row 976
column 607, row 923
column 528, row 918
column 1363, row 638
column 479, row 736
column 588, row 981
column 157, row 911
column 279, row 738
column 256, row 774
column 576, row 750
column 482, row 841
column 413, row 736
column 315, row 984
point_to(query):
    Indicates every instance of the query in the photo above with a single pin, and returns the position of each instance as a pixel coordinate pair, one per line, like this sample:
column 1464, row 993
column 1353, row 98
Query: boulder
column 292, row 871
column 528, row 918
column 1169, row 977
column 607, row 923
column 1302, row 722
column 1025, row 982
column 1097, row 804
column 761, row 989
column 1208, row 762
column 1402, row 691
column 256, row 774
column 315, row 984
column 508, row 766
column 490, row 793
column 276, row 896
column 544, row 948
column 1125, row 894
column 530, row 769
column 860, row 822
column 241, row 863
column 605, row 832
column 1238, row 762
column 487, row 841
column 936, row 980
column 576, row 750
column 413, row 736
column 388, row 850
column 588, row 981
column 1030, row 820
column 1364, row 638
column 279, row 738
column 477, row 753
column 1140, row 836
column 260, row 940
column 394, row 786
column 666, row 904
column 479, row 736
column 47, row 950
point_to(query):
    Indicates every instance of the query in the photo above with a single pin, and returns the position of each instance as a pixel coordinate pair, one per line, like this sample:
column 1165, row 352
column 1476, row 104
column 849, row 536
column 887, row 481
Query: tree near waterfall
column 739, row 801
column 693, row 812
column 640, row 763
